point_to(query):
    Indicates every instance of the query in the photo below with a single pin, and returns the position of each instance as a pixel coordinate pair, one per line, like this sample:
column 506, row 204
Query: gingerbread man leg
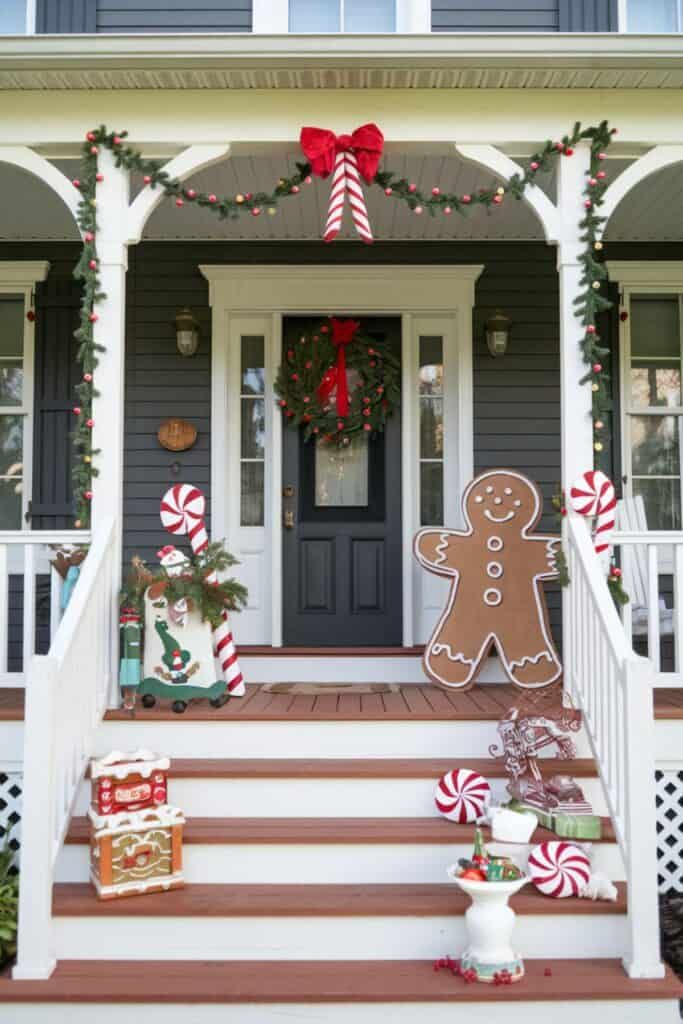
column 454, row 655
column 528, row 653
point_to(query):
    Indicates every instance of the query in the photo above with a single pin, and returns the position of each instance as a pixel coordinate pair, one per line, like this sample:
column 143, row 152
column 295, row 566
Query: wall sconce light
column 498, row 334
column 186, row 332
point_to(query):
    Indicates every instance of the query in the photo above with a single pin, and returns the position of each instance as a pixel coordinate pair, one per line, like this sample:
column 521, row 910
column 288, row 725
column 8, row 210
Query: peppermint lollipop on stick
column 182, row 512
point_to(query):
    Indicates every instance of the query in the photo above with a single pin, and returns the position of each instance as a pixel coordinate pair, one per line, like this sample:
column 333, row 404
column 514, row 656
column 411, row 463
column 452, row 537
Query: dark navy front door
column 342, row 559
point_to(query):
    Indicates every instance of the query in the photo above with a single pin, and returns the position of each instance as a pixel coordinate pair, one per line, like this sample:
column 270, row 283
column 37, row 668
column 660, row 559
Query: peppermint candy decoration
column 462, row 795
column 593, row 494
column 559, row 869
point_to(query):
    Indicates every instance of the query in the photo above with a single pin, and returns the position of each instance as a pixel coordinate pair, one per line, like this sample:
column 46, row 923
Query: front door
column 342, row 571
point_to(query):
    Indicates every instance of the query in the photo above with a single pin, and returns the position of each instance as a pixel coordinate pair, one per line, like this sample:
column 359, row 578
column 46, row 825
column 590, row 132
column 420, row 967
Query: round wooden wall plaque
column 177, row 435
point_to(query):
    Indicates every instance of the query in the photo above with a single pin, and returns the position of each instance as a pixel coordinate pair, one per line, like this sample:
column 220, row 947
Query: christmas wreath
column 338, row 382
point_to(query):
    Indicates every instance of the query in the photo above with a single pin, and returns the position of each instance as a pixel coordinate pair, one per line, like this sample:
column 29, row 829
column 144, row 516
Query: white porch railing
column 66, row 697
column 645, row 557
column 613, row 687
column 25, row 555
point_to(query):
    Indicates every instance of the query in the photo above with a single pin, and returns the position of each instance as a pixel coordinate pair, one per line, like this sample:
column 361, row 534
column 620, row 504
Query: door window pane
column 11, row 326
column 11, row 445
column 431, row 493
column 314, row 15
column 13, row 17
column 655, row 384
column 369, row 16
column 252, row 429
column 341, row 473
column 430, row 398
column 652, row 16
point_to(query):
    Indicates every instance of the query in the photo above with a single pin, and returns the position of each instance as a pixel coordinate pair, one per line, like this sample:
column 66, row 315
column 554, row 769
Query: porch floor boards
column 413, row 701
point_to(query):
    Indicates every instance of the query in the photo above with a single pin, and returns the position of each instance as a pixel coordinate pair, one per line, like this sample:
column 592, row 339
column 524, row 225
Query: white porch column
column 575, row 398
column 112, row 252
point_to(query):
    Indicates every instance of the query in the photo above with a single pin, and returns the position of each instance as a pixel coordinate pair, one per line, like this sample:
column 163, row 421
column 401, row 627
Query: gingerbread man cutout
column 496, row 566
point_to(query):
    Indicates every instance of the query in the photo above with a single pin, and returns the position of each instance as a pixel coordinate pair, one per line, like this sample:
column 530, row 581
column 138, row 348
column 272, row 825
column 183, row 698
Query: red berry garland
column 303, row 385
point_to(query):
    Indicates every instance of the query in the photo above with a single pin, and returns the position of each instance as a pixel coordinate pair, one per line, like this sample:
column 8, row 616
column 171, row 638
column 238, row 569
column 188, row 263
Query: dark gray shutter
column 65, row 16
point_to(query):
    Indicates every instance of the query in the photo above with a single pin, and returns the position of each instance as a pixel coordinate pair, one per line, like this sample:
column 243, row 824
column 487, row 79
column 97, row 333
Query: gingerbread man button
column 496, row 567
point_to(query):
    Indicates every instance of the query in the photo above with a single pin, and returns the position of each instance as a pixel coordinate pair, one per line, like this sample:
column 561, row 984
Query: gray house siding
column 133, row 16
column 524, row 16
column 65, row 16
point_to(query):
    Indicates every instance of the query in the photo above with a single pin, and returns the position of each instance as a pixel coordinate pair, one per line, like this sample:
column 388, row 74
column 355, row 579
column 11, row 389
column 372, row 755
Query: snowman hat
column 167, row 550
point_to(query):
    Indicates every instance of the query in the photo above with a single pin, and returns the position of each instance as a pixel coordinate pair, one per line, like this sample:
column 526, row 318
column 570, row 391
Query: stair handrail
column 613, row 687
column 66, row 698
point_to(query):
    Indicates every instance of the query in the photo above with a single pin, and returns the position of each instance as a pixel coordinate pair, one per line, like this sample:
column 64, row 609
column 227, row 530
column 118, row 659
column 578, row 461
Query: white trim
column 270, row 17
column 23, row 273
column 28, row 160
column 31, row 17
column 250, row 292
column 647, row 274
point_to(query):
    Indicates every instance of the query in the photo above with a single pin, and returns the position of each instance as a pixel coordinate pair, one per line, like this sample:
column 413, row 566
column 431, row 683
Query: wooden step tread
column 327, row 831
column 78, row 899
column 381, row 981
column 359, row 768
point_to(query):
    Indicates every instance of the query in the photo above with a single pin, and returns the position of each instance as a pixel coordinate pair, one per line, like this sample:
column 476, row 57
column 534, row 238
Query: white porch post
column 110, row 331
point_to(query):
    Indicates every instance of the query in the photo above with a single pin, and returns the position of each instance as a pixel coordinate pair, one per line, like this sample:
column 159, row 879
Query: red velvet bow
column 343, row 332
column 321, row 146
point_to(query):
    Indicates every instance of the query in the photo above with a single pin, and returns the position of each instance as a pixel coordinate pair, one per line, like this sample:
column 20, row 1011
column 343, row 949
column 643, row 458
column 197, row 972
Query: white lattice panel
column 669, row 797
column 10, row 809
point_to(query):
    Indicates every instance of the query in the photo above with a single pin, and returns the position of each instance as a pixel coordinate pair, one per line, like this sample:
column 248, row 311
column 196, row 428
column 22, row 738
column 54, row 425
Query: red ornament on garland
column 623, row 316
column 31, row 316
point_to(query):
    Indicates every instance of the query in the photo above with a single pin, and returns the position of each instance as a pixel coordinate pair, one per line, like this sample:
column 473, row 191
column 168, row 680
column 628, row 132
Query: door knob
column 289, row 519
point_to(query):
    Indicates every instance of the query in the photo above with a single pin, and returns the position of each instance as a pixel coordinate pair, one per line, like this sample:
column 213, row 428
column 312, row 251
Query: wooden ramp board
column 381, row 981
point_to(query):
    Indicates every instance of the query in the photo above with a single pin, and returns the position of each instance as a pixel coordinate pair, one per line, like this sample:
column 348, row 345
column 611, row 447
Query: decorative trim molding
column 635, row 273
column 23, row 273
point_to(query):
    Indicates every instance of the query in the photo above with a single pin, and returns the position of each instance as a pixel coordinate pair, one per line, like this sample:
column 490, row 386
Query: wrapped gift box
column 135, row 852
column 128, row 782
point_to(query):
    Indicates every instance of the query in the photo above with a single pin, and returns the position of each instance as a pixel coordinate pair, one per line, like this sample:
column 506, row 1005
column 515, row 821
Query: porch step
column 318, row 922
column 381, row 992
column 321, row 850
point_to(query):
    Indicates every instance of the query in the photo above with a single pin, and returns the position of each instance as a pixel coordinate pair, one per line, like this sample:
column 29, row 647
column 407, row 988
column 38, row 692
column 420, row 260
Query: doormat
column 319, row 689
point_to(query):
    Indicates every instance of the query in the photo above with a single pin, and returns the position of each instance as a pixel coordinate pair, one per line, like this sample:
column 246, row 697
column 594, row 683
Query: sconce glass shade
column 186, row 332
column 498, row 334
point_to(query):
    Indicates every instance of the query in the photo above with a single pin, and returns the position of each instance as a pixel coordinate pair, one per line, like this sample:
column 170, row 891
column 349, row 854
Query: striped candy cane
column 593, row 494
column 182, row 512
column 346, row 179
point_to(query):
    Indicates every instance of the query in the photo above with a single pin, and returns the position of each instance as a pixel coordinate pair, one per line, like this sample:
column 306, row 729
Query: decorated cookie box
column 128, row 782
column 136, row 851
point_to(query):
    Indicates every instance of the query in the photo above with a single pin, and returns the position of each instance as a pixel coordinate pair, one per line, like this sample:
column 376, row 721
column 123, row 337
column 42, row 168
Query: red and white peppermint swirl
column 462, row 795
column 182, row 512
column 346, row 179
column 593, row 495
column 559, row 869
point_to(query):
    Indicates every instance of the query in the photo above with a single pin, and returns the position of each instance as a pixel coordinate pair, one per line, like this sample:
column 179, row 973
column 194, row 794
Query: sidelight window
column 431, row 425
column 15, row 402
column 252, row 430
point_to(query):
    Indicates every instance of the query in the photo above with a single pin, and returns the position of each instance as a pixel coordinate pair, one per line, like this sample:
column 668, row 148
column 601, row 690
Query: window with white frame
column 431, row 418
column 15, row 409
column 14, row 16
column 342, row 16
column 252, row 430
column 654, row 16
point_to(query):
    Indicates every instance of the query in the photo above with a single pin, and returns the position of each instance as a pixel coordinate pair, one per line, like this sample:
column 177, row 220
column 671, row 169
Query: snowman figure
column 173, row 562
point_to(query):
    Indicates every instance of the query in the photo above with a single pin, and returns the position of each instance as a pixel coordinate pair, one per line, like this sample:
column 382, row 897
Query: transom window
column 13, row 18
column 342, row 16
column 651, row 16
column 654, row 406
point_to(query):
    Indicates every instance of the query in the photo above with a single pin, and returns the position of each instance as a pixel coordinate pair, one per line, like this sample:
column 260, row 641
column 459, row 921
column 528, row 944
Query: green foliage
column 370, row 404
column 9, row 904
column 210, row 599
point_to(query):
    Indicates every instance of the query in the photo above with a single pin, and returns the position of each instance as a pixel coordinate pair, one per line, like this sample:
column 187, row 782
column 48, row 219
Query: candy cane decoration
column 346, row 179
column 182, row 512
column 593, row 494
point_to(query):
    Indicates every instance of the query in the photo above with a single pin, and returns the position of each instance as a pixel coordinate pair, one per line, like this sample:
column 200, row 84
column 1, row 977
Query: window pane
column 369, row 16
column 10, row 504
column 662, row 502
column 251, row 489
column 253, row 374
column 654, row 327
column 431, row 366
column 314, row 15
column 654, row 384
column 654, row 445
column 431, row 428
column 649, row 16
column 13, row 17
column 431, row 493
column 341, row 474
column 12, row 326
column 11, row 445
column 253, row 428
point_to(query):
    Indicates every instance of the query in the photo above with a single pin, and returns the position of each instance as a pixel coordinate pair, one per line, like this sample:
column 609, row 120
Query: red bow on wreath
column 343, row 332
column 350, row 157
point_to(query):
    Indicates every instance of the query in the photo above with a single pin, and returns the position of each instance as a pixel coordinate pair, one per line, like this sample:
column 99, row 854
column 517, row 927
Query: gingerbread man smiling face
column 496, row 566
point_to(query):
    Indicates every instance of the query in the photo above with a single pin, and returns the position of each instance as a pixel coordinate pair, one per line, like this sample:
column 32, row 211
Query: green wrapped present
column 577, row 826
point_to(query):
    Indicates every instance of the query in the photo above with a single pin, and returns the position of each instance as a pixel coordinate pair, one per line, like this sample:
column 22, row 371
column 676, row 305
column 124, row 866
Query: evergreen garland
column 371, row 402
column 589, row 303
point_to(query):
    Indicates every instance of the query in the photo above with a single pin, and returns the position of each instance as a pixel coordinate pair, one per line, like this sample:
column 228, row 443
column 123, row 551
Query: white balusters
column 4, row 609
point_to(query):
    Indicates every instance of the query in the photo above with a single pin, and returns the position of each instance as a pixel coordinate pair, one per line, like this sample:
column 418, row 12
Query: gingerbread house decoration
column 128, row 782
column 136, row 852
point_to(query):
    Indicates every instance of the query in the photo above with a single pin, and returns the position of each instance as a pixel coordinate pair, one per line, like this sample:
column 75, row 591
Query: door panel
column 342, row 572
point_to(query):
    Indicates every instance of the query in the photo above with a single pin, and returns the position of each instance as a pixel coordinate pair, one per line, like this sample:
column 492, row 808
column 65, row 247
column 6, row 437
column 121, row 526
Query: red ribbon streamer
column 343, row 332
column 320, row 147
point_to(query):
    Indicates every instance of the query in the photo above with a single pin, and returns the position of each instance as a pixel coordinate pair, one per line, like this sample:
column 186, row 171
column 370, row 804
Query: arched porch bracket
column 190, row 161
column 654, row 160
column 493, row 159
column 28, row 160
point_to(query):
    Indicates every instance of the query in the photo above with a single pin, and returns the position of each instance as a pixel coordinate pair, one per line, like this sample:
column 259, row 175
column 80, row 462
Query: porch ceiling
column 652, row 212
column 435, row 61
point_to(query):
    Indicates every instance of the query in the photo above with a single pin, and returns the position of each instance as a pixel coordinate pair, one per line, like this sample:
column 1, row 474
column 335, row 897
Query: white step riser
column 398, row 669
column 335, row 865
column 318, row 798
column 643, row 1011
column 11, row 745
column 324, row 938
column 186, row 738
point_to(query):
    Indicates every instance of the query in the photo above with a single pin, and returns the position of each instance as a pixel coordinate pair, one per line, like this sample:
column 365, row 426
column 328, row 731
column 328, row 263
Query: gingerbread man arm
column 542, row 554
column 434, row 549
